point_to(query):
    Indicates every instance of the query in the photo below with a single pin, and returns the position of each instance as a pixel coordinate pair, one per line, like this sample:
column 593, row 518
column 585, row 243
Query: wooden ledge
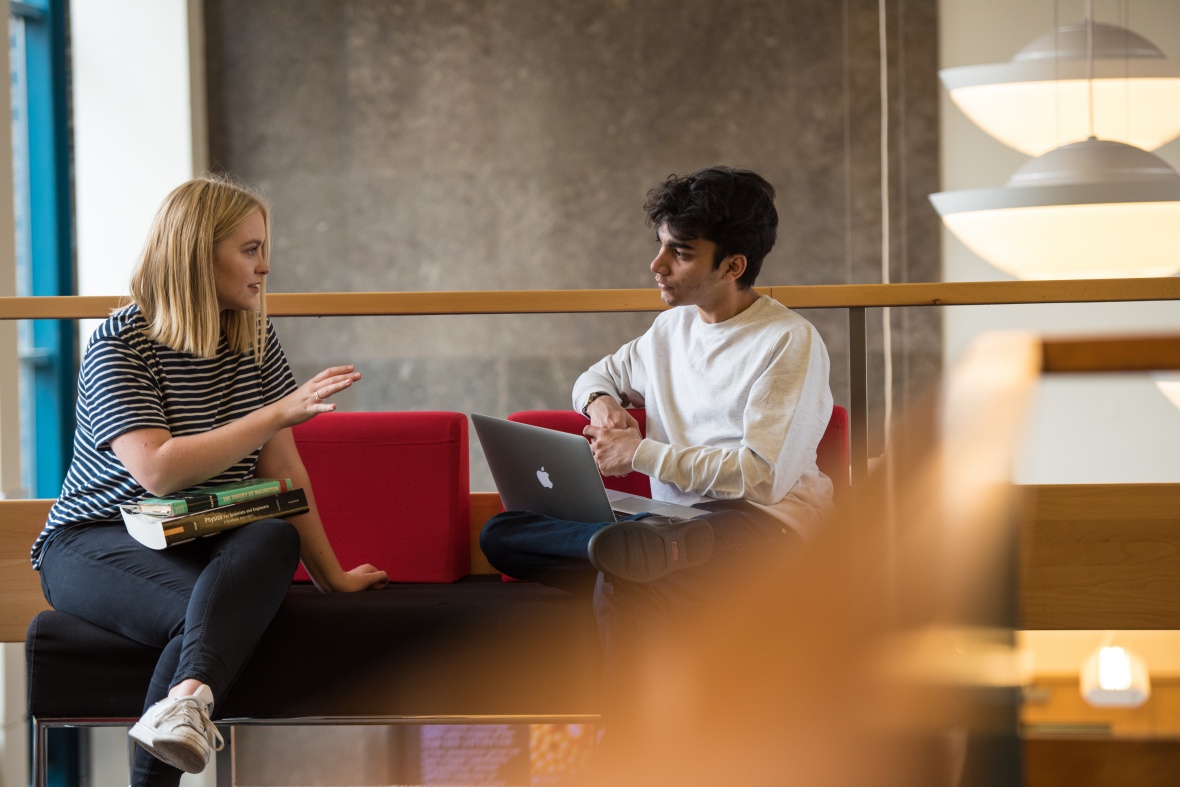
column 1111, row 354
column 1101, row 557
column 824, row 296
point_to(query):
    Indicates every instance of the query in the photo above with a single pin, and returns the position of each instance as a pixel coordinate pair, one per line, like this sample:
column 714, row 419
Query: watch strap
column 590, row 400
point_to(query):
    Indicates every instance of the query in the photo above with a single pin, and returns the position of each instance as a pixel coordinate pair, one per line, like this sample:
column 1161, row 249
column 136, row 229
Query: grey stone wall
column 508, row 144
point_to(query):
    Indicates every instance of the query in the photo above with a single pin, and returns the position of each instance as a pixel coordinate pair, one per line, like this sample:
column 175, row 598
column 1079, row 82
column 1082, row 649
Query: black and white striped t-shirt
column 127, row 382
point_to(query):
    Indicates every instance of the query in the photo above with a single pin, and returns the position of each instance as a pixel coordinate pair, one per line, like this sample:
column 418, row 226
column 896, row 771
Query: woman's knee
column 286, row 538
column 277, row 539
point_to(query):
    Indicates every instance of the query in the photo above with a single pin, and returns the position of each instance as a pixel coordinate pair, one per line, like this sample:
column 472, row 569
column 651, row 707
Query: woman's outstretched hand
column 311, row 398
column 363, row 577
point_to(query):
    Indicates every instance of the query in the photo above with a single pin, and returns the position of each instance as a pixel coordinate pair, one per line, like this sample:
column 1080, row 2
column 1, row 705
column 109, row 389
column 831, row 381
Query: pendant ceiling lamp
column 1090, row 209
column 1044, row 96
column 1096, row 208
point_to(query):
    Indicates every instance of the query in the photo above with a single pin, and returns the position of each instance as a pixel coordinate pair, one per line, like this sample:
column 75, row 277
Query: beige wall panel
column 1101, row 557
column 20, row 585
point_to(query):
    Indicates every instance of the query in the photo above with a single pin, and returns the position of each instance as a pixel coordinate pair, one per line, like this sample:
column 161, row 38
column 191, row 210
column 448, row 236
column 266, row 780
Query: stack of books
column 159, row 523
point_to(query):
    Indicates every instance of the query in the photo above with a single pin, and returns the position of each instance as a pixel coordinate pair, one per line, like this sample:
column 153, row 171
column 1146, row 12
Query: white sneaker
column 177, row 730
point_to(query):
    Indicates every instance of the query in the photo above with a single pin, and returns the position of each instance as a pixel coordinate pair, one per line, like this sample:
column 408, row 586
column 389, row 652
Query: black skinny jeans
column 204, row 603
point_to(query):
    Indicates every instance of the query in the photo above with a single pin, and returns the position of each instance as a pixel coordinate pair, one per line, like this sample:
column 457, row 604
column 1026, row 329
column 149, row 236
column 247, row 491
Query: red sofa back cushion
column 832, row 456
column 392, row 490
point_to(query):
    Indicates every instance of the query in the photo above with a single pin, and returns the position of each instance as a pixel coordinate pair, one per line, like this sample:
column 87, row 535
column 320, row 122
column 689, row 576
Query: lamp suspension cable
column 886, row 327
column 1057, row 72
column 1090, row 62
column 846, row 108
column 891, row 537
column 1125, row 22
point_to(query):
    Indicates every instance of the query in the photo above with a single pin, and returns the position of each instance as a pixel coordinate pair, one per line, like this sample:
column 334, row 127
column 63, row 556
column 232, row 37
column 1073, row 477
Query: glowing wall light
column 1114, row 677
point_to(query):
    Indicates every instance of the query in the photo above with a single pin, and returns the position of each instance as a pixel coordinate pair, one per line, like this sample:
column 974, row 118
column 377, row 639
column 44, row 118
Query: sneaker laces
column 195, row 714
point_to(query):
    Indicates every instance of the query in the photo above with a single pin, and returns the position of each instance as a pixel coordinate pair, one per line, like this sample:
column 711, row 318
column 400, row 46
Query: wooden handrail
column 826, row 296
column 1111, row 353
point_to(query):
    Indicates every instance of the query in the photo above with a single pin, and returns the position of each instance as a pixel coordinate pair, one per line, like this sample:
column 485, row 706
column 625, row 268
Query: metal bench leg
column 40, row 754
column 225, row 757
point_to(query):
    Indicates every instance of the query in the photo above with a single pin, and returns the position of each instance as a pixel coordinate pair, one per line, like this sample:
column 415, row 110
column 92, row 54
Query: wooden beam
column 977, row 293
column 1099, row 762
column 58, row 307
column 647, row 299
column 488, row 302
column 484, row 505
column 20, row 585
column 1101, row 557
column 1111, row 354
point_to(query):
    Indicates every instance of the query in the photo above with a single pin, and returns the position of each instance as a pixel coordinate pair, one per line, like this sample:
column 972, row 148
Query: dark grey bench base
column 476, row 649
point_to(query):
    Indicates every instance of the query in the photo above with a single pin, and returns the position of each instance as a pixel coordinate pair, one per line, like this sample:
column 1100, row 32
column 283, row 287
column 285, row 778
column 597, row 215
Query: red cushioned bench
column 393, row 490
column 439, row 644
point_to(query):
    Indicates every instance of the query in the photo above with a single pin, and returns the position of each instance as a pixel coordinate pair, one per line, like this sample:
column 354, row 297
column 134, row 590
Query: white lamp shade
column 1040, row 100
column 1037, row 116
column 1075, row 241
column 1091, row 209
column 1113, row 677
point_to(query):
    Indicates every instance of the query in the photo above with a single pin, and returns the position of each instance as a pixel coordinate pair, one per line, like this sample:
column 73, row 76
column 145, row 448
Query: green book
column 160, row 532
column 191, row 501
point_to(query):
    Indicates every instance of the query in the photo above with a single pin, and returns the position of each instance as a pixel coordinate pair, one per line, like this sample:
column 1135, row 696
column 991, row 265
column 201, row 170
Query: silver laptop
column 553, row 473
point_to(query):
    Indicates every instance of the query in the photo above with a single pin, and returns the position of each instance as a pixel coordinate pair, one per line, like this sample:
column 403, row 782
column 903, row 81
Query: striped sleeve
column 118, row 391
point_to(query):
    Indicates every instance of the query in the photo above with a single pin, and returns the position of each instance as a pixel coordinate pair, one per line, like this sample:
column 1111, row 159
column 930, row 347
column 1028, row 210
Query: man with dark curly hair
column 735, row 388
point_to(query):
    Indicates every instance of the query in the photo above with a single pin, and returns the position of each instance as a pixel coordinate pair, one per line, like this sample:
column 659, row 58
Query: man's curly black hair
column 733, row 208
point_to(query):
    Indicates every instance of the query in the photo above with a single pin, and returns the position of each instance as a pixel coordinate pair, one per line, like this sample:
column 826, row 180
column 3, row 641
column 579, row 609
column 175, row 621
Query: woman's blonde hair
column 174, row 284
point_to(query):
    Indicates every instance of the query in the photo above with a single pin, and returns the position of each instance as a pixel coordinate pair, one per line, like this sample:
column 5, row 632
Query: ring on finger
column 318, row 398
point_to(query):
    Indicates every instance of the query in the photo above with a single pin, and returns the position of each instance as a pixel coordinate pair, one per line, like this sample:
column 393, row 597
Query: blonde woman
column 185, row 387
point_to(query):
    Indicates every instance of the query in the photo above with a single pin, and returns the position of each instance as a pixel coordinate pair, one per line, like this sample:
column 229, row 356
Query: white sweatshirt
column 734, row 409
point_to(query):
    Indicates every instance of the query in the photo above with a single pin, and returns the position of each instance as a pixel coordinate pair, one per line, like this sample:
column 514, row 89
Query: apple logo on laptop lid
column 543, row 477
